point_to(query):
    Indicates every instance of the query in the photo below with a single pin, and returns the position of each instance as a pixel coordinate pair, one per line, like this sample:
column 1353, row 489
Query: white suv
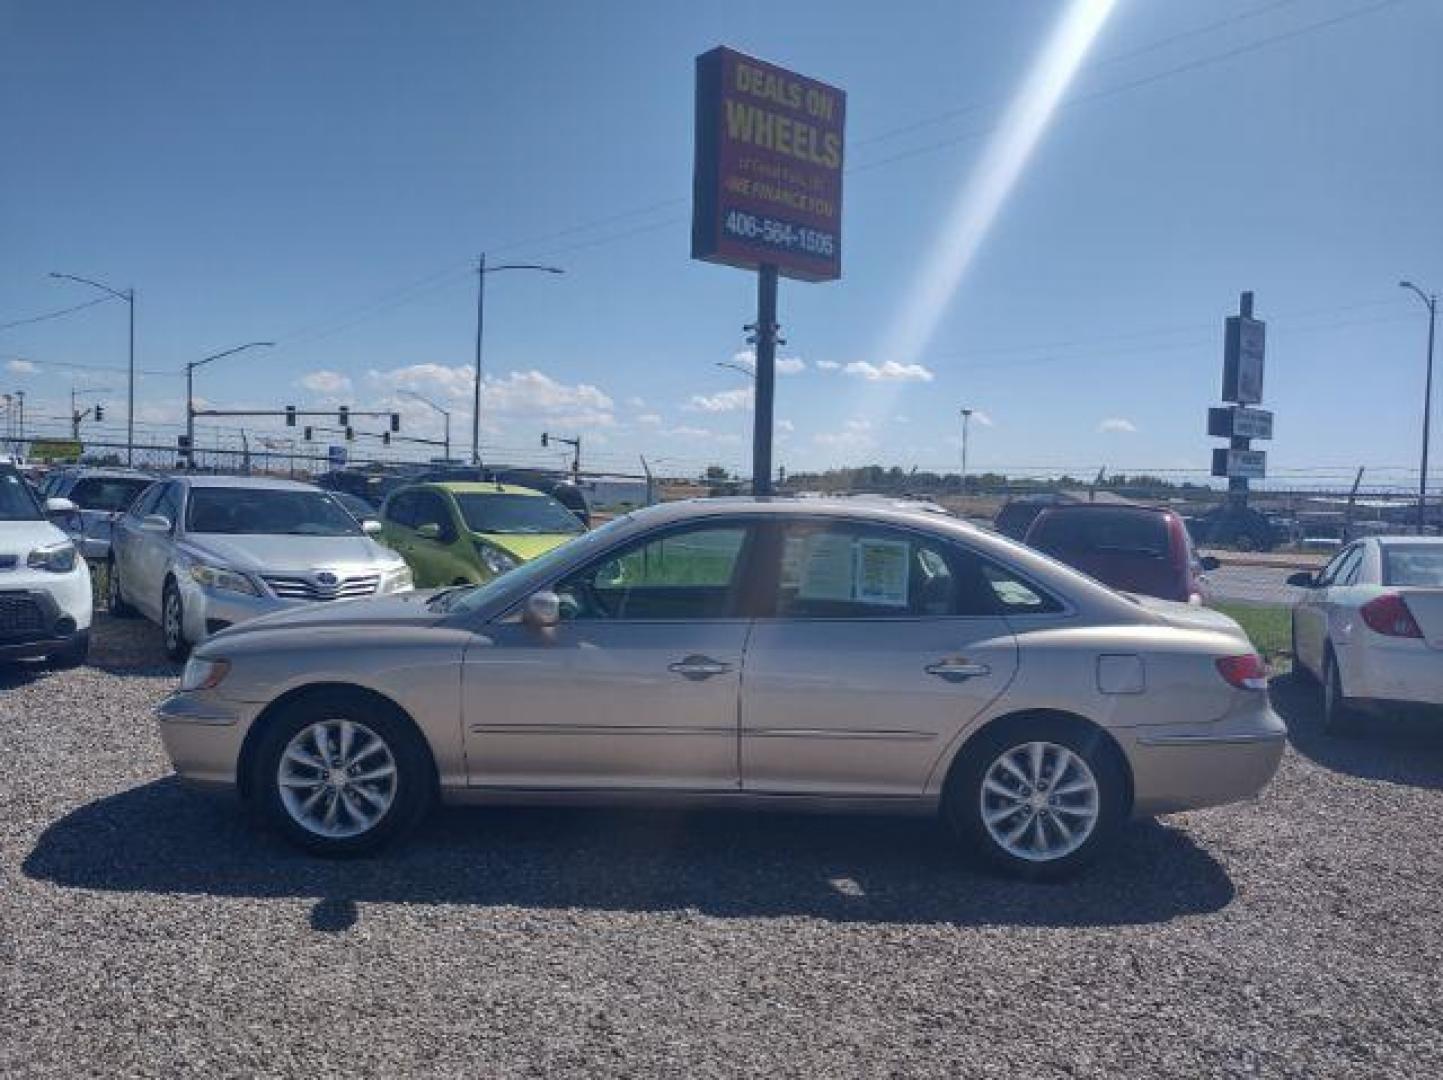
column 45, row 604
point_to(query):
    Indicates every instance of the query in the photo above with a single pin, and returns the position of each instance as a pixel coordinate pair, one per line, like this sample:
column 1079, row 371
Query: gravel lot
column 147, row 930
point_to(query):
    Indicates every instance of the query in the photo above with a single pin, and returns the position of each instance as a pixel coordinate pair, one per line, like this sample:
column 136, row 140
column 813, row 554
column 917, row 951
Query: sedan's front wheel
column 1038, row 798
column 341, row 775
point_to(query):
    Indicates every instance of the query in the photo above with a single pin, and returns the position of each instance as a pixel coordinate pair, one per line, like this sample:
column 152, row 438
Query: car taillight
column 1388, row 614
column 1246, row 672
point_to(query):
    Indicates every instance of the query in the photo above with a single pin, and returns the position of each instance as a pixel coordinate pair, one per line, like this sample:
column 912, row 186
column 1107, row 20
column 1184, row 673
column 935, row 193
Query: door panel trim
column 833, row 733
column 594, row 729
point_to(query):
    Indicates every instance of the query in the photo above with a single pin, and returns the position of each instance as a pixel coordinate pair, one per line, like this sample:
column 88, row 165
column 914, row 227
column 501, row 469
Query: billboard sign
column 1240, row 464
column 1237, row 421
column 1243, row 360
column 767, row 181
column 336, row 456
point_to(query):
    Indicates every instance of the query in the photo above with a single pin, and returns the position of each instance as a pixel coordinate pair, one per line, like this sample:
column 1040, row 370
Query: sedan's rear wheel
column 340, row 775
column 1039, row 798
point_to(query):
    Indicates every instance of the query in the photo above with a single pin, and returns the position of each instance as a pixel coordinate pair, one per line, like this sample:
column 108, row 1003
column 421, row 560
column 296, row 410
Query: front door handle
column 957, row 670
column 697, row 667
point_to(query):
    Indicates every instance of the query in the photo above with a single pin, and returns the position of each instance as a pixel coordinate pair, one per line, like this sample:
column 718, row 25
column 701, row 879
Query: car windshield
column 1413, row 564
column 516, row 514
column 267, row 512
column 531, row 575
column 109, row 493
column 16, row 501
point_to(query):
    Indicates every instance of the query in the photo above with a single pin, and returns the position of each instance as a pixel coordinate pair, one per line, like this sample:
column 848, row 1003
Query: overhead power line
column 55, row 314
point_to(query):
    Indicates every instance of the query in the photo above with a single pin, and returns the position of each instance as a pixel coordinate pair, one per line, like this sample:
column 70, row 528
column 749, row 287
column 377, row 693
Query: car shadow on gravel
column 165, row 838
column 1404, row 750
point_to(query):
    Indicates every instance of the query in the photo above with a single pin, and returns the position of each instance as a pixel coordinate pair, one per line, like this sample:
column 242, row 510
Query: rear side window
column 1120, row 532
column 1413, row 564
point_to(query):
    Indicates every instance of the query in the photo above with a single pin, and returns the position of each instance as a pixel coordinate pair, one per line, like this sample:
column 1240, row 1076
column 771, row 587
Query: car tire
column 74, row 653
column 1048, row 835
column 172, row 623
column 364, row 814
column 114, row 598
column 1340, row 716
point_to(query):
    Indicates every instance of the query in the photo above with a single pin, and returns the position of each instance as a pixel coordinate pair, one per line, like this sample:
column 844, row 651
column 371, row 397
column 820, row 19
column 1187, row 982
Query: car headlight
column 216, row 577
column 57, row 558
column 494, row 559
column 398, row 580
column 203, row 673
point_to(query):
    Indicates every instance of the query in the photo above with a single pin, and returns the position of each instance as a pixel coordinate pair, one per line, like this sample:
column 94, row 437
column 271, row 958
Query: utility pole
column 445, row 416
column 1431, row 300
column 20, row 397
column 481, row 271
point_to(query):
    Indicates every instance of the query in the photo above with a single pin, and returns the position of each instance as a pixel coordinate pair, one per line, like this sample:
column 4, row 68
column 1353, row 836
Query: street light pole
column 129, row 297
column 1431, row 300
column 445, row 416
column 966, row 422
column 481, row 271
column 190, row 392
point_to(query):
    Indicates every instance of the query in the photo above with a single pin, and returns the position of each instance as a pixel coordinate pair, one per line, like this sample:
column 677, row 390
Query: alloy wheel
column 1039, row 801
column 337, row 778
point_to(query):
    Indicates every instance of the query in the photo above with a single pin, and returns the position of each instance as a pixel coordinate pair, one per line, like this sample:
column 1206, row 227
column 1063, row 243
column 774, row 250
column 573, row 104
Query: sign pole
column 766, row 337
column 1238, row 485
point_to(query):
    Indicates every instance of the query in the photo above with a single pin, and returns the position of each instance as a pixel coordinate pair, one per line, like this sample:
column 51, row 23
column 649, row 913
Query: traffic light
column 290, row 416
column 344, row 415
column 385, row 438
column 99, row 413
column 307, row 433
column 395, row 421
column 545, row 439
column 350, row 435
column 182, row 442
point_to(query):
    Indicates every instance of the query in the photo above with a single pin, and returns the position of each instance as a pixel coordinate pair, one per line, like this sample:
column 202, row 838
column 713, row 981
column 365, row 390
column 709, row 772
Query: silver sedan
column 841, row 655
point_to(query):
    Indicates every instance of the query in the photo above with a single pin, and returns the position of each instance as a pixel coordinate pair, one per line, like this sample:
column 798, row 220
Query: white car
column 1370, row 627
column 45, row 604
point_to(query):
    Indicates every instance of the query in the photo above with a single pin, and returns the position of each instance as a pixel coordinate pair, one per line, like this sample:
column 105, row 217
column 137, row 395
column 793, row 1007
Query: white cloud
column 685, row 432
column 786, row 365
column 650, row 419
column 324, row 382
column 724, row 401
column 1116, row 424
column 983, row 418
column 636, row 402
column 20, row 367
column 856, row 435
column 890, row 371
column 786, row 425
column 828, row 365
column 518, row 394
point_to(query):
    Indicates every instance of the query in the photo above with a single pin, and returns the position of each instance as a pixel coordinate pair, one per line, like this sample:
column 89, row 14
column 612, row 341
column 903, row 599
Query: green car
column 464, row 534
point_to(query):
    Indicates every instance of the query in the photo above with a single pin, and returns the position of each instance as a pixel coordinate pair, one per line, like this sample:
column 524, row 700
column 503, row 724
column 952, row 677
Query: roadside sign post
column 1244, row 343
column 766, row 196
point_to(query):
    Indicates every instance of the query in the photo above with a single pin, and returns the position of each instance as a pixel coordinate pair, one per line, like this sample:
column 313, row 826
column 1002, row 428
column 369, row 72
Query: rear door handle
column 957, row 670
column 697, row 667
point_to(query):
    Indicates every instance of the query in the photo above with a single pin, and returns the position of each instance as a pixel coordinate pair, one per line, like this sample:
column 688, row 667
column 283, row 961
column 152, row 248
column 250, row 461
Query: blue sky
column 320, row 174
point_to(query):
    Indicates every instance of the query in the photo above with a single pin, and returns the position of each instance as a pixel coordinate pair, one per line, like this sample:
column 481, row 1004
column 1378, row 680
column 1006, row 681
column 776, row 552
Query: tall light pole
column 966, row 422
column 190, row 392
column 445, row 416
column 129, row 297
column 1431, row 300
column 481, row 271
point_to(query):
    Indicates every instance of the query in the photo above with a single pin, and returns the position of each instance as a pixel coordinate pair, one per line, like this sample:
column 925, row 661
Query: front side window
column 400, row 509
column 168, row 505
column 16, row 502
column 145, row 502
column 431, row 509
column 690, row 574
column 267, row 512
column 519, row 515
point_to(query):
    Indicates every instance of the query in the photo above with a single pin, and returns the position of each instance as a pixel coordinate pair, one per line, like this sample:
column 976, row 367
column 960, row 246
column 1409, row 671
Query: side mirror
column 429, row 531
column 371, row 527
column 1209, row 562
column 1303, row 579
column 542, row 610
column 155, row 523
column 55, row 507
